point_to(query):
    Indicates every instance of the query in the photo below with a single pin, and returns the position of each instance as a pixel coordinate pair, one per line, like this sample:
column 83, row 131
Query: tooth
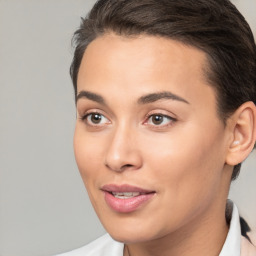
column 117, row 193
column 125, row 195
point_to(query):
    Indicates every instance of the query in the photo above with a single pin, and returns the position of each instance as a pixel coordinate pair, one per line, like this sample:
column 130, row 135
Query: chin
column 130, row 238
column 128, row 233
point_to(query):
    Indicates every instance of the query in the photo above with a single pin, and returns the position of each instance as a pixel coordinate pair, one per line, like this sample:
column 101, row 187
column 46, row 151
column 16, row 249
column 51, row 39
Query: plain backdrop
column 44, row 208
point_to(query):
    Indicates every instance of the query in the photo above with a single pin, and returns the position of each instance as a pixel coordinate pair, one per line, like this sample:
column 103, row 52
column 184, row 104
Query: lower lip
column 127, row 205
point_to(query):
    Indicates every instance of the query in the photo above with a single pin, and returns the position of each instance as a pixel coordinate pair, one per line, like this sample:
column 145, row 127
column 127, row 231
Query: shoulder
column 102, row 246
column 247, row 248
column 252, row 236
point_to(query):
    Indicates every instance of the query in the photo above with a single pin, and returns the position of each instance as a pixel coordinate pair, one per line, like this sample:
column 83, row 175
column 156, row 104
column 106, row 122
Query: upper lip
column 125, row 188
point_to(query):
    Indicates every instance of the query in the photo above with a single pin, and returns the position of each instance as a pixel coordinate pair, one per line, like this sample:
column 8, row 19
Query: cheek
column 87, row 154
column 186, row 166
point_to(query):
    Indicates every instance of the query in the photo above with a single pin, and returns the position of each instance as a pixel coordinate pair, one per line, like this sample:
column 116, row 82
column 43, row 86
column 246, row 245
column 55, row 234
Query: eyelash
column 171, row 121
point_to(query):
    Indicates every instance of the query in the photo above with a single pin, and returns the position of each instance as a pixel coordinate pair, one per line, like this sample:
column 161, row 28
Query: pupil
column 96, row 118
column 157, row 119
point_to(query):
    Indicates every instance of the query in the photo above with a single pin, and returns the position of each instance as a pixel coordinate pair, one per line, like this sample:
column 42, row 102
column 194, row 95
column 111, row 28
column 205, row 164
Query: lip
column 124, row 188
column 126, row 205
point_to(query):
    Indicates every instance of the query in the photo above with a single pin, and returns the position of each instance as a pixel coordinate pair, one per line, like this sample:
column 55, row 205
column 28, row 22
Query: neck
column 205, row 235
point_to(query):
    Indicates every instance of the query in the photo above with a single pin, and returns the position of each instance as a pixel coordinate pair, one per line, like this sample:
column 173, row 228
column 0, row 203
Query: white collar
column 232, row 245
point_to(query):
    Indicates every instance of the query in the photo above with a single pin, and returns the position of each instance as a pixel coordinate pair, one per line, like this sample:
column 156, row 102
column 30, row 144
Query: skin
column 183, row 159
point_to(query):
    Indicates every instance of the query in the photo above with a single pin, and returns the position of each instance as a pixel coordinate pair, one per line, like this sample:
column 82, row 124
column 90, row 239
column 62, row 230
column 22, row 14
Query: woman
column 165, row 94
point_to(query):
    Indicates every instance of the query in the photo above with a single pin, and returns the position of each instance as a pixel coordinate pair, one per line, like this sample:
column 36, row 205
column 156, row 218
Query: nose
column 123, row 152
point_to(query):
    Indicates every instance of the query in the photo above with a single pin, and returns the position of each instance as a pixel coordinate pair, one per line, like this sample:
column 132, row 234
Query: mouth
column 126, row 198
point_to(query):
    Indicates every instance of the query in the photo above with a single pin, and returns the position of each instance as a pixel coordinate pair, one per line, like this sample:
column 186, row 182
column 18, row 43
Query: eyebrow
column 146, row 99
column 153, row 97
column 91, row 96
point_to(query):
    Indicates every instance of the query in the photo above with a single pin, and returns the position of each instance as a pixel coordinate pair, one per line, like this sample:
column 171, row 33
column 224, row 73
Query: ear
column 242, row 127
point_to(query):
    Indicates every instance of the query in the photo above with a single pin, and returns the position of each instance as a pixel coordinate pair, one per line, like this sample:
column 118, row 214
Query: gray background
column 44, row 208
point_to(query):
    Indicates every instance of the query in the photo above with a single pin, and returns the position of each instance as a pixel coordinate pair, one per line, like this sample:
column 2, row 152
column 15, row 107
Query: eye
column 95, row 119
column 160, row 120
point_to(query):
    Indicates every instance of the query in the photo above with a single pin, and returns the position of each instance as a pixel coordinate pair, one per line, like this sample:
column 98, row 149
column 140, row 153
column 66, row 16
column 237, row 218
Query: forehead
column 144, row 64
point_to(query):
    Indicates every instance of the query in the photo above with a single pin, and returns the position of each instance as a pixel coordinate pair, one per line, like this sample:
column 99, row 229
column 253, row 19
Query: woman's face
column 148, row 141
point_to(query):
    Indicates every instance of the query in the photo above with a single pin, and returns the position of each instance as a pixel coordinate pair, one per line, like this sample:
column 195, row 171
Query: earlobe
column 243, row 133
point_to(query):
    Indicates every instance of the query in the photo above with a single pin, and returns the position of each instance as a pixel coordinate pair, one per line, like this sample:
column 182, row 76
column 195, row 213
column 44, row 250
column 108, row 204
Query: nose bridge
column 123, row 151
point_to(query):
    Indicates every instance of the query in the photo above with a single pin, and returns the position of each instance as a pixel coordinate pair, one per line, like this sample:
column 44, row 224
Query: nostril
column 126, row 166
column 122, row 168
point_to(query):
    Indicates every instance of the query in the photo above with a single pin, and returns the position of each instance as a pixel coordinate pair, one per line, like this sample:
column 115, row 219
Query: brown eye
column 157, row 119
column 96, row 118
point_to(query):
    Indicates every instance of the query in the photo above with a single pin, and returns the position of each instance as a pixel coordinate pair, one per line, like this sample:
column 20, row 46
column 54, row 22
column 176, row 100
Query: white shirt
column 235, row 245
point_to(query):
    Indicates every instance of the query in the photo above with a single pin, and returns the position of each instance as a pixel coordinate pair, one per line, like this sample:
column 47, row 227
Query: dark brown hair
column 214, row 26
